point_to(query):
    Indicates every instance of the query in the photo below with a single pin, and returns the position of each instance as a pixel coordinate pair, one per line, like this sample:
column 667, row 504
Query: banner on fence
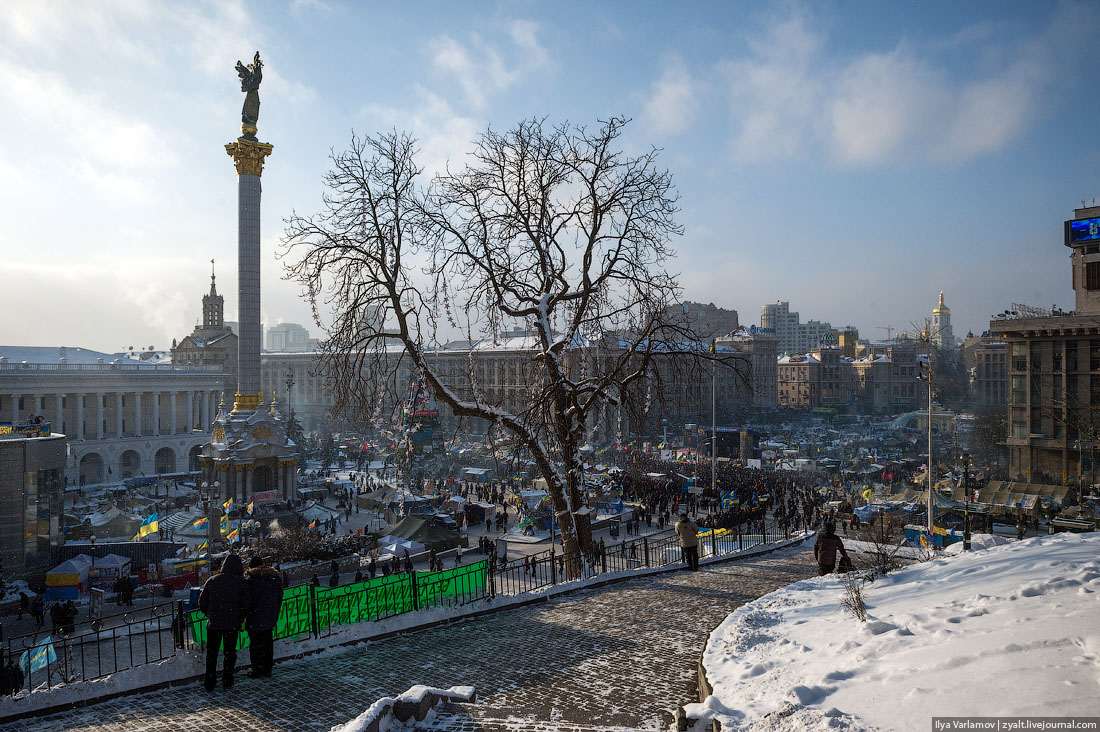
column 363, row 601
column 38, row 658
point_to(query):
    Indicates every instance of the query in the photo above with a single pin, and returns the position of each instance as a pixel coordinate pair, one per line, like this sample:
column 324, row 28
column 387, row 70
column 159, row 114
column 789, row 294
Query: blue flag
column 38, row 657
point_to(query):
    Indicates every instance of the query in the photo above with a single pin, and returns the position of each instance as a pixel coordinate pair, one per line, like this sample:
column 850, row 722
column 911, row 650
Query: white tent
column 393, row 546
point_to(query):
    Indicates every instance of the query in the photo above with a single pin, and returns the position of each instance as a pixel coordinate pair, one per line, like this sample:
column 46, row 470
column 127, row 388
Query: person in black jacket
column 225, row 601
column 266, row 588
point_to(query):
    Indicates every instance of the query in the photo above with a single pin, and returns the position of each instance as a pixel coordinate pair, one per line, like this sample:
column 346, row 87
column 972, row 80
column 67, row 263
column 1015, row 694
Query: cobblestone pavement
column 619, row 657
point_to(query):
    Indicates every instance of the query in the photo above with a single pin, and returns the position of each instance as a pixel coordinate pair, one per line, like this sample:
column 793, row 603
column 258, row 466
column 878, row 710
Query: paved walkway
column 617, row 657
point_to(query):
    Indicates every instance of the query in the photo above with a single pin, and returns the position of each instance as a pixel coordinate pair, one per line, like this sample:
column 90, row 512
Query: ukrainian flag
column 200, row 547
column 149, row 526
column 233, row 535
column 224, row 525
column 313, row 524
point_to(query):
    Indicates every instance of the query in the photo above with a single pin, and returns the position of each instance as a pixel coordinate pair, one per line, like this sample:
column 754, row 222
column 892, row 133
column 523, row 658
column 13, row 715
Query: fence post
column 179, row 624
column 416, row 595
column 313, row 612
column 713, row 542
column 645, row 545
column 492, row 579
column 787, row 529
column 553, row 568
column 603, row 560
column 740, row 544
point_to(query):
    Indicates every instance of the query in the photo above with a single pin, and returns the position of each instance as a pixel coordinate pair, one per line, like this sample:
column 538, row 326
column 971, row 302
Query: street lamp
column 966, row 463
column 289, row 386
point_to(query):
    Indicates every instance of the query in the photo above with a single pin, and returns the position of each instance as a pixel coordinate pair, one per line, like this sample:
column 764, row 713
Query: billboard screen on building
column 1082, row 230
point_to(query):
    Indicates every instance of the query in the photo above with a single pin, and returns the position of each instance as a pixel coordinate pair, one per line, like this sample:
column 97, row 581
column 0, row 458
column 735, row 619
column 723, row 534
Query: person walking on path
column 38, row 611
column 458, row 557
column 688, row 531
column 826, row 548
column 266, row 591
column 225, row 601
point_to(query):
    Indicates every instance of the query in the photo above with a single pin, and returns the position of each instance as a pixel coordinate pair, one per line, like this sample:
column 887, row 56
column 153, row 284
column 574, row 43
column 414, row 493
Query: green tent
column 433, row 536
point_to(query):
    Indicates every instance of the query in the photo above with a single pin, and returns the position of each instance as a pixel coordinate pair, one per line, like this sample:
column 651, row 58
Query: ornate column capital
column 248, row 156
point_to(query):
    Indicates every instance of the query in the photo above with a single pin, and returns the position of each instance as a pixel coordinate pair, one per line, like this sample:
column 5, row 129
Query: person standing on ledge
column 688, row 531
column 224, row 600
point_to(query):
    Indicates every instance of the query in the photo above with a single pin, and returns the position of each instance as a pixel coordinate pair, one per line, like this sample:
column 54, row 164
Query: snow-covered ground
column 1010, row 630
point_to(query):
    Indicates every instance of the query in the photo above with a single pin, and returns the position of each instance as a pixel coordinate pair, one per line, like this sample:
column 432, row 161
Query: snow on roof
column 55, row 354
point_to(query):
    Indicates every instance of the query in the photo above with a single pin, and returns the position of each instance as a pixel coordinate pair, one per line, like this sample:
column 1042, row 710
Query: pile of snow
column 391, row 712
column 1012, row 630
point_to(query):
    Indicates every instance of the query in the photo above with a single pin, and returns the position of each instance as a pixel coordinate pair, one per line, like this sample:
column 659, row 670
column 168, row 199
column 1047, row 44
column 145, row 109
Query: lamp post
column 289, row 386
column 966, row 463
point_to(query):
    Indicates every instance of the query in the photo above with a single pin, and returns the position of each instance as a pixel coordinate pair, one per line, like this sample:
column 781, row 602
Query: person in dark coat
column 826, row 548
column 266, row 588
column 225, row 600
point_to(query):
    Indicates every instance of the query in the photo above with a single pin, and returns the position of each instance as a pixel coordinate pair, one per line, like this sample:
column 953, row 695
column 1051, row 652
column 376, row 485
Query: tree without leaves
column 552, row 227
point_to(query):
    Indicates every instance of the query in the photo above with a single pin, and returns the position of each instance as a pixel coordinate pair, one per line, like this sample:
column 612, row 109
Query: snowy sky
column 853, row 158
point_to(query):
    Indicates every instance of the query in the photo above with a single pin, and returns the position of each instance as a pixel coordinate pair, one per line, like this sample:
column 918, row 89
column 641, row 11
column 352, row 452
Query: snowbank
column 1006, row 631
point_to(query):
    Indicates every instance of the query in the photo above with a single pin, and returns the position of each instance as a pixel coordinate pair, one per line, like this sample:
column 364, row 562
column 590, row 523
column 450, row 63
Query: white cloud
column 481, row 70
column 673, row 100
column 775, row 94
column 789, row 97
column 444, row 136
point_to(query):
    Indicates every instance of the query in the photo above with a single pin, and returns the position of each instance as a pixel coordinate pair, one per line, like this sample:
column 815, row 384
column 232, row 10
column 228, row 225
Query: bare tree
column 551, row 227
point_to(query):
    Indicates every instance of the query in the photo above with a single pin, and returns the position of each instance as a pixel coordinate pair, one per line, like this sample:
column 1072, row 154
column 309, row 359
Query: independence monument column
column 249, row 459
column 248, row 154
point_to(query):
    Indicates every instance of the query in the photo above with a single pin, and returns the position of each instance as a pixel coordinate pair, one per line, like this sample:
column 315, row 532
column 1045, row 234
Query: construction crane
column 889, row 330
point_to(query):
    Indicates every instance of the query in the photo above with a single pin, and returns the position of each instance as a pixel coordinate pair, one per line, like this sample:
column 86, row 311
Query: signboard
column 266, row 496
column 1082, row 230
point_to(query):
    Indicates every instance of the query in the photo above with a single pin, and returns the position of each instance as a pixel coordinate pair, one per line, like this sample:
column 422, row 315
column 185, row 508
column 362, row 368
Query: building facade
column 289, row 337
column 990, row 373
column 1053, row 371
column 124, row 418
column 794, row 337
column 32, row 489
column 213, row 343
column 706, row 321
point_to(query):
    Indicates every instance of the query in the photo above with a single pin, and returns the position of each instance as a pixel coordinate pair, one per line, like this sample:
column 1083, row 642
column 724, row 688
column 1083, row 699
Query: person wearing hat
column 826, row 548
column 266, row 588
column 688, row 531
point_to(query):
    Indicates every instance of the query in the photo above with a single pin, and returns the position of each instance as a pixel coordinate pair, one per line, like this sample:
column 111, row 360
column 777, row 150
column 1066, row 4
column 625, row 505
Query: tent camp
column 114, row 523
column 68, row 580
column 478, row 512
column 393, row 546
column 426, row 532
column 108, row 569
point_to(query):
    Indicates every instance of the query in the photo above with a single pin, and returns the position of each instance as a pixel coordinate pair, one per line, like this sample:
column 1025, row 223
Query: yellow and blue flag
column 313, row 524
column 251, row 505
column 228, row 505
column 149, row 525
column 233, row 535
column 200, row 547
column 202, row 524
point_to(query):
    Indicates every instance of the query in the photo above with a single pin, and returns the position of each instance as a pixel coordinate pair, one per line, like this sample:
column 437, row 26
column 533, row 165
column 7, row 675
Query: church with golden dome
column 942, row 335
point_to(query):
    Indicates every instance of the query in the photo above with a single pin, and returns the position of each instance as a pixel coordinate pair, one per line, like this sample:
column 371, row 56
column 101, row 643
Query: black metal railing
column 147, row 635
column 108, row 645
